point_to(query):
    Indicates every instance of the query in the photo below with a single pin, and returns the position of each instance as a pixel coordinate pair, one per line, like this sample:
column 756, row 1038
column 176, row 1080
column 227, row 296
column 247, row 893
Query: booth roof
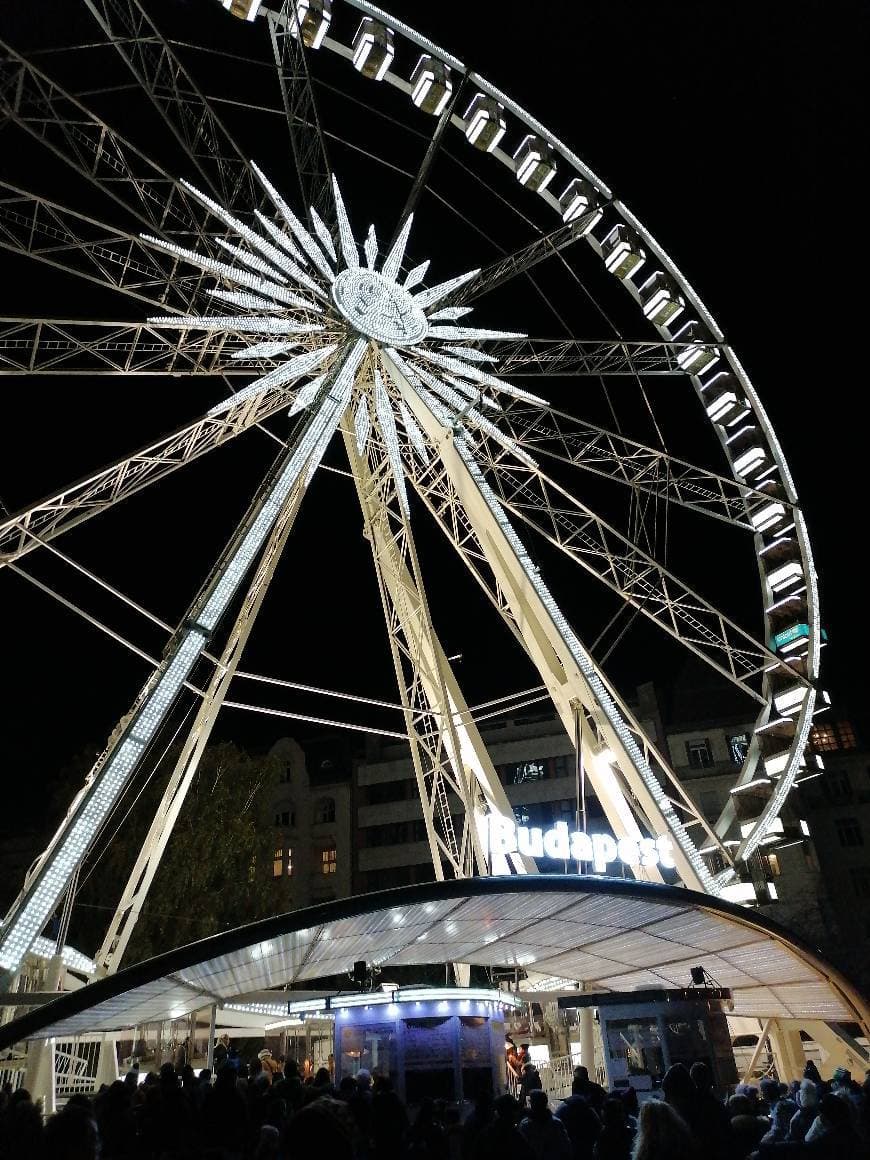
column 607, row 934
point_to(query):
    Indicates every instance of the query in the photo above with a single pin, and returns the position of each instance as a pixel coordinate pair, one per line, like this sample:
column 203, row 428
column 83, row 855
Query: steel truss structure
column 273, row 290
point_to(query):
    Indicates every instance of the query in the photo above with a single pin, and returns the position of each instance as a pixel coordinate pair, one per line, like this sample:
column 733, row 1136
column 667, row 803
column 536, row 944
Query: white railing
column 557, row 1075
column 75, row 1068
column 12, row 1072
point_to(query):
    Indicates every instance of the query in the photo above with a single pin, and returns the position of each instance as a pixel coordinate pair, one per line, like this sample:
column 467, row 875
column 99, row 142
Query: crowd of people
column 266, row 1110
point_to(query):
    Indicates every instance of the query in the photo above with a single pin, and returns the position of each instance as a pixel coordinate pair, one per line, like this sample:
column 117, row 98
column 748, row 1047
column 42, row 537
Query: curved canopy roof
column 608, row 934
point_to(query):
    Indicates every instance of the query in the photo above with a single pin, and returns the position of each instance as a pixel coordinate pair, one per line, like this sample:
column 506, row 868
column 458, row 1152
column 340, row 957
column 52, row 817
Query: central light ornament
column 296, row 289
column 379, row 308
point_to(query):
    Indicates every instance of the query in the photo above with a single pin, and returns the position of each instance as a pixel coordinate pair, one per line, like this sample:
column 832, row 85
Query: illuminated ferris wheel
column 437, row 377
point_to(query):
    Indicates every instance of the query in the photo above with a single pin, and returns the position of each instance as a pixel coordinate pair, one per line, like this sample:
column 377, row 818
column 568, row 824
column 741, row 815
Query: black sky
column 735, row 133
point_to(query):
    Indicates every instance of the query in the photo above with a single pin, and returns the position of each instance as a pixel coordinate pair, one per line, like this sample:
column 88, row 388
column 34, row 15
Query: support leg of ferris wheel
column 564, row 665
column 49, row 878
column 458, row 761
column 432, row 733
column 108, row 957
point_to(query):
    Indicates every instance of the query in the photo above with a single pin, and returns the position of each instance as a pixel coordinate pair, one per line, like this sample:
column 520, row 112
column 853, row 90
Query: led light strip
column 78, row 830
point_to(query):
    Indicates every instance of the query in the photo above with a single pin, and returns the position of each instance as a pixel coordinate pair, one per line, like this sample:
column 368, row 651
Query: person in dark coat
column 807, row 1109
column 712, row 1124
column 225, row 1115
column 531, row 1082
column 616, row 1137
column 832, row 1136
column 501, row 1140
column 544, row 1134
column 594, row 1092
column 580, row 1122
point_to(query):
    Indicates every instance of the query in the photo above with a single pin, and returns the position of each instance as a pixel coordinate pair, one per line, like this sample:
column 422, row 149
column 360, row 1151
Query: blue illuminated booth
column 443, row 1042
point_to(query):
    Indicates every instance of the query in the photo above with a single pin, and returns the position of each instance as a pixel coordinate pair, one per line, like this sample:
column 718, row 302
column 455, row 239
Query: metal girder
column 574, row 358
column 35, row 227
column 564, row 666
column 527, row 493
column 180, row 102
column 442, row 779
column 114, row 945
column 519, row 262
column 37, row 104
column 424, row 170
column 55, row 346
column 559, row 435
column 64, row 510
column 48, row 880
column 435, row 488
column 60, row 346
column 307, row 142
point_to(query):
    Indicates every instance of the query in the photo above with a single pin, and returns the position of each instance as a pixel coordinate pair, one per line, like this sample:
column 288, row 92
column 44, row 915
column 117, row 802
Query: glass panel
column 638, row 1044
column 372, row 1047
column 687, row 1041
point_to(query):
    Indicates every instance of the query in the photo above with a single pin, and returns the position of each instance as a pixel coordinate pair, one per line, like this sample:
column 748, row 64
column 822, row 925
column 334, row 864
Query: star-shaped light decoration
column 295, row 287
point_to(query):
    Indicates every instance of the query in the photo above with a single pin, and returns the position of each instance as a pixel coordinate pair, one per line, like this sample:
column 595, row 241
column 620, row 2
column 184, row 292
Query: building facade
column 352, row 823
column 310, row 814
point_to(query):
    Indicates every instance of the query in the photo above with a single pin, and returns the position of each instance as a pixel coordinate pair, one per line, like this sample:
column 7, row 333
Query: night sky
column 736, row 137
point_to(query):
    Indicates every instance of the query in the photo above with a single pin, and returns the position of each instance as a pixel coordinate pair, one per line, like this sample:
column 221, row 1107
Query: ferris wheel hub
column 379, row 308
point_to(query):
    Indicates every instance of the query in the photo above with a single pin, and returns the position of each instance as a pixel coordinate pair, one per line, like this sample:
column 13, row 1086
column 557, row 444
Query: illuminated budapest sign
column 506, row 837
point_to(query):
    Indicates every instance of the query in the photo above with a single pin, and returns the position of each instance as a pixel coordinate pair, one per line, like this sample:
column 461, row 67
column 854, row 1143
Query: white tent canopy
column 606, row 934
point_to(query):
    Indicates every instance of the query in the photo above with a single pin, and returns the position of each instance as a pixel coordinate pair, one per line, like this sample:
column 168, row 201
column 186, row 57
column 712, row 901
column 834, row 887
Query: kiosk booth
column 443, row 1042
column 644, row 1032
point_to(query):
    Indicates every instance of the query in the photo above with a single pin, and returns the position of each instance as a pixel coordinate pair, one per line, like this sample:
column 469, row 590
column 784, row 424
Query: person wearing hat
column 832, row 1136
column 270, row 1066
column 808, row 1106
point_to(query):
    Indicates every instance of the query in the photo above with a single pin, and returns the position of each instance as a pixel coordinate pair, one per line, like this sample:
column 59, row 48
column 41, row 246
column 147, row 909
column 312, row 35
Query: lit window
column 833, row 735
column 524, row 771
column 288, row 869
column 328, row 860
column 860, row 876
column 823, row 738
column 849, row 831
column 846, row 735
column 278, row 863
column 772, row 864
column 738, row 745
column 324, row 811
column 698, row 753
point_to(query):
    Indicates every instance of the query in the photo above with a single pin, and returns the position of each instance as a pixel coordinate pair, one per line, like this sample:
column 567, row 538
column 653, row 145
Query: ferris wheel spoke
column 53, row 346
column 50, row 346
column 307, row 141
column 583, row 536
column 180, row 102
column 34, row 227
column 521, row 261
column 573, row 358
column 561, row 436
column 28, row 529
column 59, row 121
column 433, row 148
